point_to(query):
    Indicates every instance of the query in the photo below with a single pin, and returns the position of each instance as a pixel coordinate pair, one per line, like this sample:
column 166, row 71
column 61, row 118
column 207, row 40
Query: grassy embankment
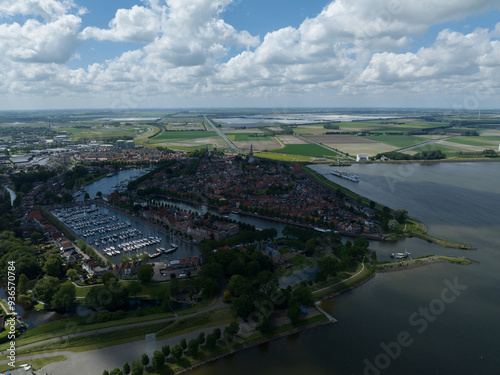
column 36, row 364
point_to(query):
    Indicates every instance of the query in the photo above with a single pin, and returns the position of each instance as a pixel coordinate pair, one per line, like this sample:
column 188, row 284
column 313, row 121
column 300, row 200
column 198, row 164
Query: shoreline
column 414, row 264
column 252, row 345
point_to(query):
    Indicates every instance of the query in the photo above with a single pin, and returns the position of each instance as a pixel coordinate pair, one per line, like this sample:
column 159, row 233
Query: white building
column 362, row 158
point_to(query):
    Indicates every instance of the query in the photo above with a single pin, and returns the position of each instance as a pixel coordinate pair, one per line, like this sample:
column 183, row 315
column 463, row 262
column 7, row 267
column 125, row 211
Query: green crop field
column 306, row 150
column 400, row 141
column 184, row 135
column 246, row 137
column 433, row 146
column 475, row 141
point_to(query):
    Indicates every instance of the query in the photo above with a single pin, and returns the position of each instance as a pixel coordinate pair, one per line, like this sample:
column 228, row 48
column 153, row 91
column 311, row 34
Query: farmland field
column 352, row 144
column 243, row 137
column 306, row 150
column 400, row 141
column 184, row 135
column 477, row 141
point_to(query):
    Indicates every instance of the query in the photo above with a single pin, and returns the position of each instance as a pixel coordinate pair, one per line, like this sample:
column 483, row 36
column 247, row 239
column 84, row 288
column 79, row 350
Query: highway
column 221, row 134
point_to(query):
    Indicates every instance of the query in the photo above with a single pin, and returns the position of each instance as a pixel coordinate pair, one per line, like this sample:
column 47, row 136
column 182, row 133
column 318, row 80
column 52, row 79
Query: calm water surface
column 459, row 202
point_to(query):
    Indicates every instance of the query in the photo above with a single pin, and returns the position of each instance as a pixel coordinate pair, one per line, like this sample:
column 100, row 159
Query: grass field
column 283, row 157
column 184, row 135
column 487, row 142
column 400, row 141
column 306, row 150
column 244, row 137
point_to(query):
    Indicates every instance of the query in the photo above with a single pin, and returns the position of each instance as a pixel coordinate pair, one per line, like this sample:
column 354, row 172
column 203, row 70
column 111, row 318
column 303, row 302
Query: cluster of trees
column 424, row 155
column 331, row 125
column 158, row 362
column 60, row 296
column 134, row 184
column 345, row 257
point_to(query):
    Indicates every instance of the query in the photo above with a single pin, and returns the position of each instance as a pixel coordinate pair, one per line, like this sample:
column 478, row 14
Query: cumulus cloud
column 48, row 9
column 138, row 24
column 35, row 42
column 453, row 54
column 349, row 47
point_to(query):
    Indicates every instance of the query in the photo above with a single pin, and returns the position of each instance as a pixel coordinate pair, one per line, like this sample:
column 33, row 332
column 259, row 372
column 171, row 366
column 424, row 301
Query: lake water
column 459, row 202
column 258, row 121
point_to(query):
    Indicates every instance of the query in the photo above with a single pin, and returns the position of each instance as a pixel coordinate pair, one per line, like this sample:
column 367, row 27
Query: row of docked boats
column 116, row 237
column 162, row 250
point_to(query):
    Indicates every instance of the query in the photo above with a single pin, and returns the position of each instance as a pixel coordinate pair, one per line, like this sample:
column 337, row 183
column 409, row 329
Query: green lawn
column 306, row 150
column 184, row 135
column 400, row 141
column 475, row 141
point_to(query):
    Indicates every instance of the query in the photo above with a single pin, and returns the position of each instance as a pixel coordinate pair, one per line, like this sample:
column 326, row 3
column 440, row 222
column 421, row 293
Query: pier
column 330, row 318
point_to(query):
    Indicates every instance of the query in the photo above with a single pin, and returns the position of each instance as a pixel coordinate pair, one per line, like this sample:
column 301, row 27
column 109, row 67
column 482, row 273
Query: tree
column 174, row 287
column 107, row 276
column 64, row 298
column 201, row 338
column 239, row 285
column 98, row 194
column 165, row 350
column 193, row 347
column 158, row 361
column 86, row 197
column 177, row 351
column 293, row 311
column 144, row 257
column 22, row 284
column 126, row 368
column 137, row 368
column 183, row 344
column 243, row 306
column 105, row 372
column 393, row 224
column 109, row 297
column 133, row 288
column 362, row 243
column 145, row 359
column 145, row 273
column 303, row 295
column 217, row 333
column 211, row 341
column 46, row 288
column 72, row 274
column 311, row 245
column 53, row 265
column 116, row 371
column 400, row 215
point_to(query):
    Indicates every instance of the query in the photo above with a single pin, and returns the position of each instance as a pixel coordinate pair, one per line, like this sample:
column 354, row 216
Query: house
column 362, row 157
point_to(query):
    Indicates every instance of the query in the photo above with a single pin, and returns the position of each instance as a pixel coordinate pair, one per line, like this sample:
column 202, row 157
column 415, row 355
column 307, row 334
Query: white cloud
column 453, row 54
column 350, row 48
column 35, row 42
column 48, row 9
column 138, row 24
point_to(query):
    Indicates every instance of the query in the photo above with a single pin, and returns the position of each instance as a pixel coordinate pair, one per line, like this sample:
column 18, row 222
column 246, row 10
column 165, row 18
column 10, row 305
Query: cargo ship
column 346, row 175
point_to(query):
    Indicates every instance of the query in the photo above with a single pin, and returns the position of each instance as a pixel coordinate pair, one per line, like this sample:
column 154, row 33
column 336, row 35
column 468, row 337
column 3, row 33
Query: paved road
column 221, row 134
column 426, row 143
column 328, row 148
column 119, row 354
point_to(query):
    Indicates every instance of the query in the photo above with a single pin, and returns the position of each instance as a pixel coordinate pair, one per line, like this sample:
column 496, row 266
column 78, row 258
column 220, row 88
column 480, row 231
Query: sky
column 65, row 54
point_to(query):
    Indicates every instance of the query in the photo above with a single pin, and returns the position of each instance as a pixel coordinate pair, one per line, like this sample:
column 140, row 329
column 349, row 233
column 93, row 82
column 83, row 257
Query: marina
column 114, row 235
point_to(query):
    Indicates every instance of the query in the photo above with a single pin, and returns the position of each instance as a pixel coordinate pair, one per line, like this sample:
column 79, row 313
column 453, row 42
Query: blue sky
column 224, row 53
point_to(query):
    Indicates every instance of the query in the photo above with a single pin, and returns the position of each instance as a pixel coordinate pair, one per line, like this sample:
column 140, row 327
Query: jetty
column 330, row 318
